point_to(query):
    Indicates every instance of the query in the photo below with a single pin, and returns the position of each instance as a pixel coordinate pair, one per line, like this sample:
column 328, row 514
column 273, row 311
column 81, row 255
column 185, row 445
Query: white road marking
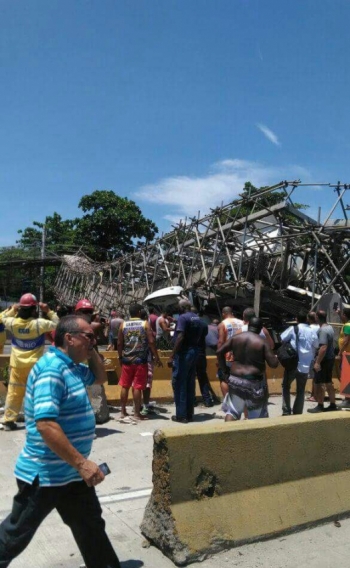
column 128, row 495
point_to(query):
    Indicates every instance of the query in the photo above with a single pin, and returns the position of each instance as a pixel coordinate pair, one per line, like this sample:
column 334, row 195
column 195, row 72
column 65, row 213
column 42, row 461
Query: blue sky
column 173, row 103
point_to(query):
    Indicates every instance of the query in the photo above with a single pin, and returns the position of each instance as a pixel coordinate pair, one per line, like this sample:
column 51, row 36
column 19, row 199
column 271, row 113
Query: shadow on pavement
column 132, row 564
column 157, row 416
column 203, row 417
column 103, row 432
column 160, row 409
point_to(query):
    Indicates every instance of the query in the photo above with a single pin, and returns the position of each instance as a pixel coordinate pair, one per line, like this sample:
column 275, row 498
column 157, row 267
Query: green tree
column 111, row 225
column 60, row 239
column 15, row 278
column 60, row 235
column 267, row 200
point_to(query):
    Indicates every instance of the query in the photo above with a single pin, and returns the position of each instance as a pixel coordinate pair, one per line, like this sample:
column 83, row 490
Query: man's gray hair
column 248, row 314
column 67, row 324
column 185, row 305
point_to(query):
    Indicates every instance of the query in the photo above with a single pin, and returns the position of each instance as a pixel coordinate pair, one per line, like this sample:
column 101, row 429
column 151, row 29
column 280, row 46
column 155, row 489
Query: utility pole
column 42, row 270
column 258, row 284
column 315, row 263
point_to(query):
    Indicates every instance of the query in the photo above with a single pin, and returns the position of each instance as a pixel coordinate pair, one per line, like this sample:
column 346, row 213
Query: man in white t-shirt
column 305, row 344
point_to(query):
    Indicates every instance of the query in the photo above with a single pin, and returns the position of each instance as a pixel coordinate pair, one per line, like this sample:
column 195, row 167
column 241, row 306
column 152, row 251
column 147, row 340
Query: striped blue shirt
column 56, row 390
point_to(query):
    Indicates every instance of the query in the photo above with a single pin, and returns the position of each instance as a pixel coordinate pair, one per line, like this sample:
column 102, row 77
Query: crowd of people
column 189, row 338
column 53, row 470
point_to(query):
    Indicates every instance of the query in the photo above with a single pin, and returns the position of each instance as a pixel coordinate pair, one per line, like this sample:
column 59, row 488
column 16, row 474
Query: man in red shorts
column 135, row 338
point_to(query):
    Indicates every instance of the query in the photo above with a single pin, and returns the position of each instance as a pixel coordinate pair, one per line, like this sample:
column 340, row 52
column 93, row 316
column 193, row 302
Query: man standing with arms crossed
column 53, row 470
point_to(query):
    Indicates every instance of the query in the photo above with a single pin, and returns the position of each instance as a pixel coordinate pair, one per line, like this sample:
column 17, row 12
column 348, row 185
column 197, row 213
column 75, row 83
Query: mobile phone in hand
column 104, row 468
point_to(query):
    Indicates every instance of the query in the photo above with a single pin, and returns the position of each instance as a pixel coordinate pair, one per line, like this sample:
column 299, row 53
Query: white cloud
column 269, row 134
column 260, row 55
column 184, row 196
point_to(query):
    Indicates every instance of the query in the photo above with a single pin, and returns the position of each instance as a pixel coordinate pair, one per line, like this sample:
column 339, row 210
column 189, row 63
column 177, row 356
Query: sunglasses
column 89, row 335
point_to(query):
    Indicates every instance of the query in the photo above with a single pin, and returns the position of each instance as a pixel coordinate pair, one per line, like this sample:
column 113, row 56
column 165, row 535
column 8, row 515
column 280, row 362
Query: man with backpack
column 303, row 339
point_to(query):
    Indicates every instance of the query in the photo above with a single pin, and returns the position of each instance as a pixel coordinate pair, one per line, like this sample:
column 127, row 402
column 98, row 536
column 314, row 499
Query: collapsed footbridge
column 261, row 240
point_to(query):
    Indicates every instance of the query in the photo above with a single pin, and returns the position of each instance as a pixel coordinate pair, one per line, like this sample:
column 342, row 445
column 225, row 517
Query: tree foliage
column 111, row 225
column 267, row 200
column 60, row 235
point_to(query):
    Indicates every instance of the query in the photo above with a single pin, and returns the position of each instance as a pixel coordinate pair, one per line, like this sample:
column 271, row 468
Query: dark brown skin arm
column 120, row 342
column 178, row 342
column 221, row 352
column 320, row 356
column 271, row 358
column 269, row 338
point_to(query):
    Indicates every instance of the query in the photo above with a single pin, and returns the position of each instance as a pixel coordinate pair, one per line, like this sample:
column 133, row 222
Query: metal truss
column 262, row 236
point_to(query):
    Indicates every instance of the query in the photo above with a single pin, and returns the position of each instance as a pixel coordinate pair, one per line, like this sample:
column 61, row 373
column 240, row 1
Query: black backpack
column 287, row 355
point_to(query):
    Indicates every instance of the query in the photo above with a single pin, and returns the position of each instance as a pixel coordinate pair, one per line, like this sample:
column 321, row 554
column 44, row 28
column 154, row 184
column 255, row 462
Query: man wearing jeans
column 305, row 344
column 188, row 332
column 53, row 470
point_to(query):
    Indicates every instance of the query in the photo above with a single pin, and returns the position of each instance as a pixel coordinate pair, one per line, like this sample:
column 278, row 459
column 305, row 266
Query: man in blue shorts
column 53, row 470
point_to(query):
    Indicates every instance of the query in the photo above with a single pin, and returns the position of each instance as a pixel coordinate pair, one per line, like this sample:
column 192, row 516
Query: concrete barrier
column 217, row 486
column 162, row 390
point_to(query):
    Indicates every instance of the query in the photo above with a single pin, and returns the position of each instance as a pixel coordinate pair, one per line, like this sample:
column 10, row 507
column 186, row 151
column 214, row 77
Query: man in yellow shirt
column 28, row 343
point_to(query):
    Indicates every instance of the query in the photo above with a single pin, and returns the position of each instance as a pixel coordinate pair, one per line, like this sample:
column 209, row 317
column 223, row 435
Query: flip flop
column 127, row 420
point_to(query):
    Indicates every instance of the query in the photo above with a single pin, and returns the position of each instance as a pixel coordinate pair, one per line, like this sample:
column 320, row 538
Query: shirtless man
column 163, row 338
column 246, row 386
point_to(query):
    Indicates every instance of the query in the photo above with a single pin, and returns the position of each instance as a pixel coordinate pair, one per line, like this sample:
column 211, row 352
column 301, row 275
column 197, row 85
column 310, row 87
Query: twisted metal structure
column 218, row 258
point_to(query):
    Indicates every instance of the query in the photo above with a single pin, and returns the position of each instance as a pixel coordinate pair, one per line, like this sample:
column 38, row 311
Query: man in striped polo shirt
column 53, row 470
